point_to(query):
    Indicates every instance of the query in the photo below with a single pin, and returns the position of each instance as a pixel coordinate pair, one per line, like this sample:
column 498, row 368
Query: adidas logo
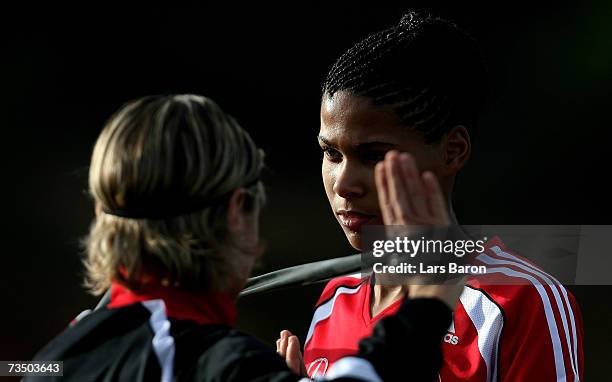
column 450, row 337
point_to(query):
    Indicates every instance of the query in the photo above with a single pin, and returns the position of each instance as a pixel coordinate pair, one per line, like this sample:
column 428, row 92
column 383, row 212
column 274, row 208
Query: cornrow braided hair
column 425, row 69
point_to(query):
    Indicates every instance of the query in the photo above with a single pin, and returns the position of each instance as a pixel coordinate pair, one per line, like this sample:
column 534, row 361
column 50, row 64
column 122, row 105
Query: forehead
column 347, row 119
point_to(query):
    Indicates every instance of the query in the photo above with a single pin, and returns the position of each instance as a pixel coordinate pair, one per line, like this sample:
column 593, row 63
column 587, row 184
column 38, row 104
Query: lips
column 355, row 220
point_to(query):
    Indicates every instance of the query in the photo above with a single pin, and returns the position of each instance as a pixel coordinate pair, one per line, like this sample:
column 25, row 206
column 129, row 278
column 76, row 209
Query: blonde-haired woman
column 177, row 191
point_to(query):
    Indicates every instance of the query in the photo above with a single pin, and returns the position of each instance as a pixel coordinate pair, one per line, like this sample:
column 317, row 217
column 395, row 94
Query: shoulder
column 518, row 286
column 537, row 311
column 100, row 342
column 91, row 329
column 349, row 284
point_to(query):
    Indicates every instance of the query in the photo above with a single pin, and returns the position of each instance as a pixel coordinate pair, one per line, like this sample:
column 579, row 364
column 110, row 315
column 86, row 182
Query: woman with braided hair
column 400, row 107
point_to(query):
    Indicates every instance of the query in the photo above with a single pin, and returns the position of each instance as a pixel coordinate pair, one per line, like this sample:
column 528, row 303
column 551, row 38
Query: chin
column 354, row 239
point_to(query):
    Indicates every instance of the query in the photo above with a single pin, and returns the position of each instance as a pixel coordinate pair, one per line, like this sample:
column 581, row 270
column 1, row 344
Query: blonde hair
column 167, row 165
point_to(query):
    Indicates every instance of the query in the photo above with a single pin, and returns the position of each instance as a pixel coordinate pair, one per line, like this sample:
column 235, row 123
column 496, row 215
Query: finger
column 283, row 348
column 382, row 189
column 436, row 198
column 414, row 187
column 278, row 345
column 284, row 334
column 294, row 356
column 398, row 195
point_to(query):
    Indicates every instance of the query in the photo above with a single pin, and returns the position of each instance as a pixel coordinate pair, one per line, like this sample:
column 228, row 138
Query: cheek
column 327, row 173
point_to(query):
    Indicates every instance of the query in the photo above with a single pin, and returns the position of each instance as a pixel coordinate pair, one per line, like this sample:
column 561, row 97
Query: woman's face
column 354, row 136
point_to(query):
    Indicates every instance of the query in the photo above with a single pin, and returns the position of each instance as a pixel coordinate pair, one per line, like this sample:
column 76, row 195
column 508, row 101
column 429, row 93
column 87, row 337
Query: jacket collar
column 200, row 307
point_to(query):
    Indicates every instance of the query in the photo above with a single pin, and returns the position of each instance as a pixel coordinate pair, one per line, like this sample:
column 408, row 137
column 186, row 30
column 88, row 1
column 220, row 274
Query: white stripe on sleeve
column 325, row 310
column 548, row 310
column 489, row 321
column 554, row 284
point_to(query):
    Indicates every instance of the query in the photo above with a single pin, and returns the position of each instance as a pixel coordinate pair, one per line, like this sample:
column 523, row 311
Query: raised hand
column 288, row 346
column 405, row 196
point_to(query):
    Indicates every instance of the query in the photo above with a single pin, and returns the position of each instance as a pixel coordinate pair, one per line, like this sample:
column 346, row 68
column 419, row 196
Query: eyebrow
column 361, row 146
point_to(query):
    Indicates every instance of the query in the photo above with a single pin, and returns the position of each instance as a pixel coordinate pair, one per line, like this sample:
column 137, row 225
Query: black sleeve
column 407, row 345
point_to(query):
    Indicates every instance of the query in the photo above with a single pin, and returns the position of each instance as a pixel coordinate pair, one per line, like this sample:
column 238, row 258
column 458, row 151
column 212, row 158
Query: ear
column 457, row 149
column 235, row 211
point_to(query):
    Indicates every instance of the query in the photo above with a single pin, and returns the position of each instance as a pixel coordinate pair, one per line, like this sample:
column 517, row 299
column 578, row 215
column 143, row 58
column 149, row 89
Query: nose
column 349, row 182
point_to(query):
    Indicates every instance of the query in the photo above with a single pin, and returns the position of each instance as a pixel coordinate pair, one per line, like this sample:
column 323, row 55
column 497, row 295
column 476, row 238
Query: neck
column 389, row 293
column 454, row 222
column 451, row 211
column 383, row 296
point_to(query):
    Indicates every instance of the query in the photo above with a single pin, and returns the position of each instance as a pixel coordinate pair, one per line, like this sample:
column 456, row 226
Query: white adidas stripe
column 325, row 310
column 548, row 311
column 488, row 321
column 554, row 285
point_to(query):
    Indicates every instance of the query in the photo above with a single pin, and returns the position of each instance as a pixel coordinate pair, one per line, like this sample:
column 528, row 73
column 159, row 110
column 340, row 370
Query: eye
column 332, row 155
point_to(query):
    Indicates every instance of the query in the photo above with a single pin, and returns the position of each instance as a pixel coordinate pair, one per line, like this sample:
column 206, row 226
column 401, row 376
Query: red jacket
column 516, row 323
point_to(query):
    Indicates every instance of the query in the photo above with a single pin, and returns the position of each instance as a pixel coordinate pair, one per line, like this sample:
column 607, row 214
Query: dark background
column 541, row 155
